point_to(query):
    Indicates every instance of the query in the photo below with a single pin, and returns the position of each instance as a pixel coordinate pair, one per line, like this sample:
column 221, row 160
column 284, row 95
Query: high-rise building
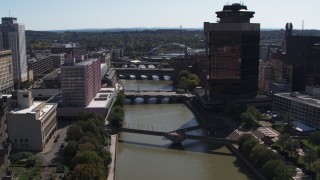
column 232, row 46
column 80, row 82
column 303, row 53
column 6, row 74
column 12, row 37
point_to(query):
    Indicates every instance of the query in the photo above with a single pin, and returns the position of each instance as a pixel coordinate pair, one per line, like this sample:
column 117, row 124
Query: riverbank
column 205, row 118
column 113, row 152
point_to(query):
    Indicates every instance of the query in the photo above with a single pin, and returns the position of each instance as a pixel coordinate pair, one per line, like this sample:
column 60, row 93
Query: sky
column 80, row 14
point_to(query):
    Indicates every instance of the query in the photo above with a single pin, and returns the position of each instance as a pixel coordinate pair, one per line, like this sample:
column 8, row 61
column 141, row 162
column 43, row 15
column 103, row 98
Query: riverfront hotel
column 232, row 47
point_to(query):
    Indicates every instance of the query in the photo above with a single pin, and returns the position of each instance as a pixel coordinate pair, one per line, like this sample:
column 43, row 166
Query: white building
column 31, row 125
column 303, row 107
column 12, row 37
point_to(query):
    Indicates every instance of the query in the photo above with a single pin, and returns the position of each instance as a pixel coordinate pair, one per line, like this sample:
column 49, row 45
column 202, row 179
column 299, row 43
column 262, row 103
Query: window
column 26, row 140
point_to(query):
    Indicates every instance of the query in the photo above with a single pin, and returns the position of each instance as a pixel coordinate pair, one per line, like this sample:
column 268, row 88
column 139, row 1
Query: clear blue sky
column 75, row 14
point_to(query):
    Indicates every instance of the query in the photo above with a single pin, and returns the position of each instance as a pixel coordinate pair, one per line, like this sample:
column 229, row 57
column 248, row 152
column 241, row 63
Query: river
column 144, row 157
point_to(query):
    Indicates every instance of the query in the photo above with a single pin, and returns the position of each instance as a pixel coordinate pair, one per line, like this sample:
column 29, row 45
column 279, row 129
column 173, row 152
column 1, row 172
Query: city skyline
column 60, row 15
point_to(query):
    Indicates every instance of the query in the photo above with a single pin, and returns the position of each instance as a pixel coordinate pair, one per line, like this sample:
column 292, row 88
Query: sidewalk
column 113, row 151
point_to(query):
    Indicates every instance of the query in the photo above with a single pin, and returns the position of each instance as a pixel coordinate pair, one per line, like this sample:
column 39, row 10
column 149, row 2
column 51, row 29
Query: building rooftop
column 102, row 98
column 34, row 109
column 302, row 98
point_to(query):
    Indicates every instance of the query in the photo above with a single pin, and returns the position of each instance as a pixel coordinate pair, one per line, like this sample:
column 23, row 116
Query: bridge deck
column 146, row 132
column 187, row 136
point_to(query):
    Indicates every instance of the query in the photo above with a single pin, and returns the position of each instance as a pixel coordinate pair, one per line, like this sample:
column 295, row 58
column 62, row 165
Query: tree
column 261, row 154
column 88, row 172
column 283, row 140
column 268, row 169
column 292, row 145
column 316, row 166
column 74, row 133
column 71, row 149
column 314, row 138
column 248, row 146
column 310, row 157
column 86, row 157
column 247, row 120
column 244, row 138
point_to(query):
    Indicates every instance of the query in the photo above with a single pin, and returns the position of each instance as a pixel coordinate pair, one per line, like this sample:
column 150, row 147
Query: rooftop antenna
column 9, row 12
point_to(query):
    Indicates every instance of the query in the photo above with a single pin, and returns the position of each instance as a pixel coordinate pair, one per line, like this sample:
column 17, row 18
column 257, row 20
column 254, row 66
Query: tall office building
column 80, row 82
column 303, row 53
column 232, row 47
column 6, row 75
column 12, row 37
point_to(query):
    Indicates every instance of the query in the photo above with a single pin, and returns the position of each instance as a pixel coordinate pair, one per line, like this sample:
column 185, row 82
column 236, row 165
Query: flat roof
column 302, row 127
column 302, row 98
column 31, row 110
column 102, row 98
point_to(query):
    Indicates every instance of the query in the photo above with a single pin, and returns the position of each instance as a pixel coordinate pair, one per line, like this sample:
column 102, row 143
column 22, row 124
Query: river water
column 144, row 157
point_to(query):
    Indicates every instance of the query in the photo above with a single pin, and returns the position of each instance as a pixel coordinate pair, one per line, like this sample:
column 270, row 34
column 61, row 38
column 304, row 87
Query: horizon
column 59, row 15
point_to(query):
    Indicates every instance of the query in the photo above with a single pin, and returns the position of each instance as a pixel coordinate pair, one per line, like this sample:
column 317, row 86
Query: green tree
column 284, row 140
column 261, row 154
column 86, row 157
column 248, row 121
column 268, row 169
column 292, row 146
column 248, row 146
column 74, row 133
column 310, row 157
column 316, row 166
column 71, row 149
column 88, row 172
column 314, row 138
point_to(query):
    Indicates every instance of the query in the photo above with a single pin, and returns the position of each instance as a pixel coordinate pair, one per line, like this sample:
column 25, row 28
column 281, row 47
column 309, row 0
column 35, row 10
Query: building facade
column 303, row 53
column 6, row 74
column 41, row 65
column 12, row 37
column 5, row 148
column 32, row 123
column 232, row 46
column 80, row 82
column 303, row 107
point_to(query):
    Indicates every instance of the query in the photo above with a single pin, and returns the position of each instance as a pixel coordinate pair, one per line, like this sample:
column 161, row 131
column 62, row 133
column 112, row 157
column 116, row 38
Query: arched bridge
column 190, row 51
column 180, row 135
column 126, row 72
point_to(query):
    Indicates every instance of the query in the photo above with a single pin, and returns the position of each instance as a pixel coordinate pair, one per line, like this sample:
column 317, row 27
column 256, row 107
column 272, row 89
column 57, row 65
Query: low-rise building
column 303, row 107
column 32, row 123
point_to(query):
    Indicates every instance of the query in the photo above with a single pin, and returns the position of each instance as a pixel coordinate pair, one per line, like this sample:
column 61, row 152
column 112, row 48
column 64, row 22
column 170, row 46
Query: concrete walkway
column 113, row 151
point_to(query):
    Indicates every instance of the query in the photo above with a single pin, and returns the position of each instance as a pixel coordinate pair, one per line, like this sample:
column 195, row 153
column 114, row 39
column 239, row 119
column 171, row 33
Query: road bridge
column 148, row 72
column 159, row 95
column 179, row 136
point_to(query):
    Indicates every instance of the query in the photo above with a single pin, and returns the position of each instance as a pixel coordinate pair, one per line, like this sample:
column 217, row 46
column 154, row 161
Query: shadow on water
column 244, row 169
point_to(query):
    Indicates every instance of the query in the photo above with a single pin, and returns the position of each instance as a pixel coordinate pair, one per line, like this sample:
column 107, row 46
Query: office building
column 303, row 53
column 41, row 65
column 232, row 46
column 303, row 107
column 32, row 123
column 12, row 37
column 6, row 74
column 80, row 82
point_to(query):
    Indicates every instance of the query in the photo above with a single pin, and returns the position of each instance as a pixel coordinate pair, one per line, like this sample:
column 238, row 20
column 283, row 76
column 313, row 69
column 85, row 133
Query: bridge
column 178, row 135
column 188, row 49
column 148, row 72
column 159, row 95
column 134, row 64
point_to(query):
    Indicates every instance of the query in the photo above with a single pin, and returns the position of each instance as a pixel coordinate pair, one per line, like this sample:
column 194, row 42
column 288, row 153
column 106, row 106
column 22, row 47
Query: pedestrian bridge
column 180, row 135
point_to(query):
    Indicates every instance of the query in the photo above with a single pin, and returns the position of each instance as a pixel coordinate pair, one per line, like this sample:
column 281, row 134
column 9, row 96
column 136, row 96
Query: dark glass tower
column 232, row 47
column 303, row 53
